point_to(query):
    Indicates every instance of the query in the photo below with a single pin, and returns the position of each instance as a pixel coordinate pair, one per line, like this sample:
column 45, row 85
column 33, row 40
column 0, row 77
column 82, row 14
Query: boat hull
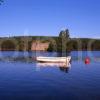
column 54, row 59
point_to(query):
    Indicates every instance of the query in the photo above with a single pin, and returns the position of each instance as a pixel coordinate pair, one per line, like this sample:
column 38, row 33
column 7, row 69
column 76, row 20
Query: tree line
column 65, row 43
column 62, row 43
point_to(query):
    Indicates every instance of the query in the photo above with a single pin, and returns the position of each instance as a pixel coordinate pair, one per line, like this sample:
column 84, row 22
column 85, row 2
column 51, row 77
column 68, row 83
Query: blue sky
column 48, row 17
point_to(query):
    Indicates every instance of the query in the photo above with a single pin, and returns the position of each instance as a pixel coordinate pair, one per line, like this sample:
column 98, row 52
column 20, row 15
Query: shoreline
column 45, row 51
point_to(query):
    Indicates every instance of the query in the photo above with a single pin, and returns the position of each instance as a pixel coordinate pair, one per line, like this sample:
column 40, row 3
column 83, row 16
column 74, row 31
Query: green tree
column 64, row 34
column 52, row 45
column 62, row 40
column 50, row 48
column 8, row 45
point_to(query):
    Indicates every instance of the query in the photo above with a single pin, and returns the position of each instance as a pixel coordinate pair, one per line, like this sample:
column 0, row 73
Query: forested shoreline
column 62, row 43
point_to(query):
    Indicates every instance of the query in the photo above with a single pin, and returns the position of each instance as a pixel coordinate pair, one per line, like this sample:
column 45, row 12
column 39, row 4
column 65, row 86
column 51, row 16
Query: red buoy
column 87, row 60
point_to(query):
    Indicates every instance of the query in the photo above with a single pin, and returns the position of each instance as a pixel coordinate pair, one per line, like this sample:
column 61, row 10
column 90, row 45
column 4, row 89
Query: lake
column 22, row 78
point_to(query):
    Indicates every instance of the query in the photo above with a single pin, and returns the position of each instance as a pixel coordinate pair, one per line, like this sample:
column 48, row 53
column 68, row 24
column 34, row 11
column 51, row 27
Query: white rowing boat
column 54, row 59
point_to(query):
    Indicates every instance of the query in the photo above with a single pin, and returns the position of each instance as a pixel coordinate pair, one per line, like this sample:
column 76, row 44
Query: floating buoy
column 87, row 60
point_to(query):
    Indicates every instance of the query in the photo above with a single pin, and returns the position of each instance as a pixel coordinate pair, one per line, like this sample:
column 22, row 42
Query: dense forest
column 62, row 43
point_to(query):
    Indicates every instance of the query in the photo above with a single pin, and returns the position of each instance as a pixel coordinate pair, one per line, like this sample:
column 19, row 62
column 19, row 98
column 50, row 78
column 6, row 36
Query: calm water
column 21, row 78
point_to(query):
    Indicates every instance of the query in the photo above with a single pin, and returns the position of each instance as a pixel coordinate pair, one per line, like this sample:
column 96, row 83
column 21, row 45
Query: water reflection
column 63, row 54
column 64, row 67
column 33, row 59
column 16, row 59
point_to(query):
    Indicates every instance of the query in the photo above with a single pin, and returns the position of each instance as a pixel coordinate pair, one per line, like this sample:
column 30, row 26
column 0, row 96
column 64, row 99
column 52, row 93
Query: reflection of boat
column 62, row 66
column 64, row 69
column 54, row 64
column 54, row 59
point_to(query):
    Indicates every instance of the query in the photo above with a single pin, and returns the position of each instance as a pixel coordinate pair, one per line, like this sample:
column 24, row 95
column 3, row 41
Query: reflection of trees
column 64, row 54
column 64, row 69
column 17, row 59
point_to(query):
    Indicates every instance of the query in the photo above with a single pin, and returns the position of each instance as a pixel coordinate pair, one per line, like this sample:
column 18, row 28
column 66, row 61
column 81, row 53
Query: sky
column 49, row 17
